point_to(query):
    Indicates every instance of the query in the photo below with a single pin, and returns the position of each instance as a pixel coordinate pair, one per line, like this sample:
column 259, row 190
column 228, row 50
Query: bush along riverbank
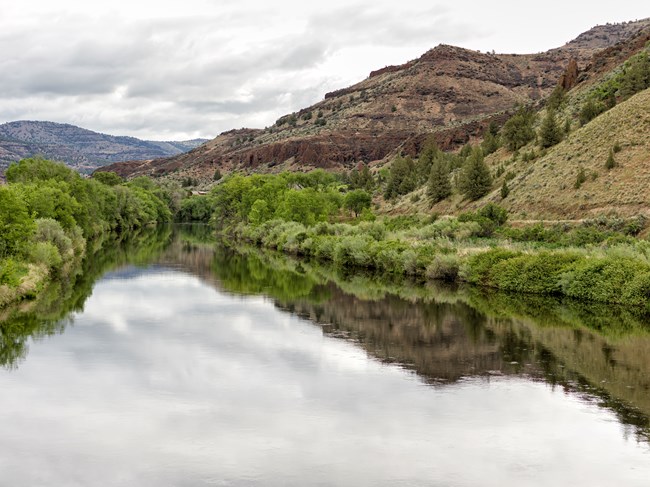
column 49, row 214
column 598, row 260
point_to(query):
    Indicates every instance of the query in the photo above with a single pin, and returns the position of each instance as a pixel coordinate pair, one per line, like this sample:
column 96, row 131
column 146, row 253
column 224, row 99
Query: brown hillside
column 451, row 92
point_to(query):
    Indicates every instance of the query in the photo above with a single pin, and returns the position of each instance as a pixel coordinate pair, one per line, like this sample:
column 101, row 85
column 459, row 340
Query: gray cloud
column 202, row 67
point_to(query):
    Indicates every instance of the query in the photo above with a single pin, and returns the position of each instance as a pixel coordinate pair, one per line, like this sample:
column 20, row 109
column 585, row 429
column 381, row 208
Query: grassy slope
column 544, row 188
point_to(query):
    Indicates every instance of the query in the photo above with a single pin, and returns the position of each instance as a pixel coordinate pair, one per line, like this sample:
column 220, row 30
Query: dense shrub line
column 457, row 249
column 48, row 213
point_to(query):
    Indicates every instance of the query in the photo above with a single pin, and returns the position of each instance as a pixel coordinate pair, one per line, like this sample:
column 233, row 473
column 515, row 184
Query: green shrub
column 353, row 251
column 603, row 278
column 11, row 272
column 50, row 230
column 445, row 267
column 637, row 291
column 47, row 254
column 376, row 230
column 536, row 273
column 479, row 267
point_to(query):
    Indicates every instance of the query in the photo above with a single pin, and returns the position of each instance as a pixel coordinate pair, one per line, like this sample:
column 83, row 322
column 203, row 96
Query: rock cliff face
column 450, row 92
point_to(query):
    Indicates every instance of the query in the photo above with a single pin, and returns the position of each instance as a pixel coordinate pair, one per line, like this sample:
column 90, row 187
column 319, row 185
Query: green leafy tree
column 195, row 209
column 474, row 180
column 357, row 200
column 108, row 178
column 16, row 224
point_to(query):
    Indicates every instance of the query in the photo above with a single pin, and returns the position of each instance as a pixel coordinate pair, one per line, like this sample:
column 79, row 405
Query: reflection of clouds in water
column 207, row 387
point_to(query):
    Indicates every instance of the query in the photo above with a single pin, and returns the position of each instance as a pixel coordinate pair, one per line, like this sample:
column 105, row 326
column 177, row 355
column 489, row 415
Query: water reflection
column 187, row 366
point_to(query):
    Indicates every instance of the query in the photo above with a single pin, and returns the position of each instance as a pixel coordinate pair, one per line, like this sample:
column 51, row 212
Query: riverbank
column 49, row 215
column 590, row 263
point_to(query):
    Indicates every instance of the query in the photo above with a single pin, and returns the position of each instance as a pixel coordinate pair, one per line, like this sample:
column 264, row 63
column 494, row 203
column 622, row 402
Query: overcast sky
column 157, row 69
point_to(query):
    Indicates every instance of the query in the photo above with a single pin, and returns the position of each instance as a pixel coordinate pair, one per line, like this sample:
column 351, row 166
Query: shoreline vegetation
column 49, row 215
column 599, row 260
column 51, row 218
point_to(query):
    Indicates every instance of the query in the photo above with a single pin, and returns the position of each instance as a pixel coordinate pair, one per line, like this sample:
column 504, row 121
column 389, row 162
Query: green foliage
column 49, row 230
column 108, row 178
column 474, row 180
column 490, row 143
column 305, row 198
column 635, row 76
column 604, row 279
column 320, row 121
column 439, row 184
column 518, row 130
column 428, row 154
column 445, row 267
column 16, row 224
column 402, row 178
column 538, row 273
column 217, row 175
column 590, row 110
column 361, row 179
column 47, row 254
column 494, row 213
column 505, row 191
column 188, row 182
column 38, row 169
column 557, row 99
column 480, row 267
column 195, row 209
column 550, row 132
column 11, row 272
column 580, row 178
column 611, row 162
column 357, row 200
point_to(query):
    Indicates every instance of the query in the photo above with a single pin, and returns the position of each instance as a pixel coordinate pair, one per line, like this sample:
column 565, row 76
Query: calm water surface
column 204, row 367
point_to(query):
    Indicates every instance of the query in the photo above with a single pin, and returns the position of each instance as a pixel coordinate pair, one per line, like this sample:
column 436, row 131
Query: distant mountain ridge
column 80, row 148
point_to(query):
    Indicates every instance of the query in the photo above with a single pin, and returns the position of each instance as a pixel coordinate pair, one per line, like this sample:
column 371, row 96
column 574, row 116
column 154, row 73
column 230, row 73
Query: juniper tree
column 439, row 186
column 475, row 180
column 550, row 133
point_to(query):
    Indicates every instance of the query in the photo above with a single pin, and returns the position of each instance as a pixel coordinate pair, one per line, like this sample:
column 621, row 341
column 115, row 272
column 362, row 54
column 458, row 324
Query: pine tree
column 428, row 153
column 475, row 180
column 550, row 133
column 439, row 186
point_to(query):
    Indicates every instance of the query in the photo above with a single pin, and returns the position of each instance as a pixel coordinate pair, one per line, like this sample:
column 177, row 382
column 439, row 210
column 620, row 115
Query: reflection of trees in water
column 599, row 352
column 50, row 313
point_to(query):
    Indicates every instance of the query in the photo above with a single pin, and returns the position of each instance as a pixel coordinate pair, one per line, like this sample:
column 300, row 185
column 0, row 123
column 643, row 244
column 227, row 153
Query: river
column 174, row 362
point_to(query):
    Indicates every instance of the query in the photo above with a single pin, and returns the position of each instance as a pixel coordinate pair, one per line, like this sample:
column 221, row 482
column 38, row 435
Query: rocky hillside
column 450, row 92
column 82, row 149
